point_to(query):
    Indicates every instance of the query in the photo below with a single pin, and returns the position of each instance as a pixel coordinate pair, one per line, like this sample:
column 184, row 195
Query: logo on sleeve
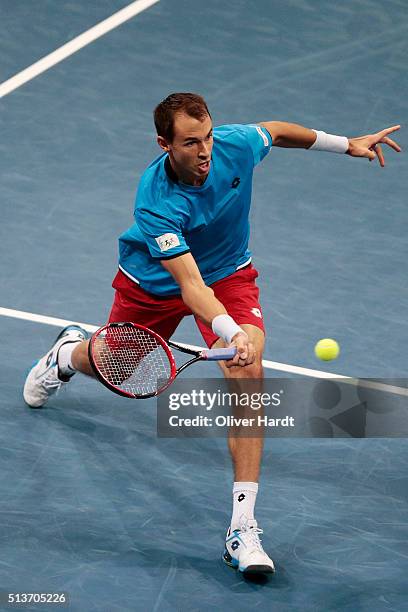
column 262, row 135
column 167, row 241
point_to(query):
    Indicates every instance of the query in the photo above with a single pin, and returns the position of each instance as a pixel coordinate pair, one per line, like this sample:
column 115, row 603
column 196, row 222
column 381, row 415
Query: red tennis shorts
column 237, row 292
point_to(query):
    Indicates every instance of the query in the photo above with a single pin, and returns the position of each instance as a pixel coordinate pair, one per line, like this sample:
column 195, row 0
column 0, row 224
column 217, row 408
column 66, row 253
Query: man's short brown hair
column 188, row 103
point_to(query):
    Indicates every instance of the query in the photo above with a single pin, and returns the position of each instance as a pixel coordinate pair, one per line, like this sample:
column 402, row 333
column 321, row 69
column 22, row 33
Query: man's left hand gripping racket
column 134, row 361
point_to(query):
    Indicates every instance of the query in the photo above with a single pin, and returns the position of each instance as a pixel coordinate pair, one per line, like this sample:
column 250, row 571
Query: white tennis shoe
column 44, row 378
column 243, row 550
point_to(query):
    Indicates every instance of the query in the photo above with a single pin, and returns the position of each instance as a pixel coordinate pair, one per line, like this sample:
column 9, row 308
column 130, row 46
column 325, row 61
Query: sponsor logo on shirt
column 262, row 135
column 167, row 241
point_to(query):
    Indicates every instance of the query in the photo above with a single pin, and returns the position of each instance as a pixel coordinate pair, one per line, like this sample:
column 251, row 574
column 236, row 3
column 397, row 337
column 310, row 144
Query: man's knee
column 254, row 370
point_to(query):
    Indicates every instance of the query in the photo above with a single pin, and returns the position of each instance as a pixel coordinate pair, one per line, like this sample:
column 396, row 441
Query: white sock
column 244, row 498
column 64, row 358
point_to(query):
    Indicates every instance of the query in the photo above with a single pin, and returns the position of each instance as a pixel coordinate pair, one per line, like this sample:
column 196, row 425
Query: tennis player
column 187, row 253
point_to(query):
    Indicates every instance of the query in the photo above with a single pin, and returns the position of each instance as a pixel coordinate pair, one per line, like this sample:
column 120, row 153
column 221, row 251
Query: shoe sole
column 27, row 373
column 258, row 569
column 251, row 569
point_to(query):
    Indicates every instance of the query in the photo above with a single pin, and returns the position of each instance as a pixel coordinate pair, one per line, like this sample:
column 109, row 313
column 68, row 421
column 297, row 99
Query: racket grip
column 219, row 353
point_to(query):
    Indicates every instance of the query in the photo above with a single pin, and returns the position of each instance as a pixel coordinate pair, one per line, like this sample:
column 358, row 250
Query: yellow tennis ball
column 327, row 349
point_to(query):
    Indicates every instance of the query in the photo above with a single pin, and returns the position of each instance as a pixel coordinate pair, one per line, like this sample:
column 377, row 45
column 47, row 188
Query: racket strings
column 131, row 360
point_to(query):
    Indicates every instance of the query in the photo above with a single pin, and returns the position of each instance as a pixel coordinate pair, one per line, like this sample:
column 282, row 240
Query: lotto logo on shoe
column 257, row 312
column 167, row 241
column 241, row 497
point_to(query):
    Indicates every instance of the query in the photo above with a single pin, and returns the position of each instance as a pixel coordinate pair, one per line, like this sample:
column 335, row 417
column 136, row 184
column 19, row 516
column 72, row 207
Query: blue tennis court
column 95, row 503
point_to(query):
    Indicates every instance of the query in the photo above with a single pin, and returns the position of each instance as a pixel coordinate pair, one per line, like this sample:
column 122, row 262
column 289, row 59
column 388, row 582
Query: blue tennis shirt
column 210, row 221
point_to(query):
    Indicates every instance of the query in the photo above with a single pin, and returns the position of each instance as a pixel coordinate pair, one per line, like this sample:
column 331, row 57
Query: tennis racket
column 135, row 362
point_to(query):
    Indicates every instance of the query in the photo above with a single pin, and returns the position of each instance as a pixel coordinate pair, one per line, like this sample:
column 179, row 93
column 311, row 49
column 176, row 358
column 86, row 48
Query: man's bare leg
column 246, row 452
column 80, row 359
column 243, row 548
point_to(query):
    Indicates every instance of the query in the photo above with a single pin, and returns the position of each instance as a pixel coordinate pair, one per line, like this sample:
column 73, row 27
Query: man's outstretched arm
column 291, row 135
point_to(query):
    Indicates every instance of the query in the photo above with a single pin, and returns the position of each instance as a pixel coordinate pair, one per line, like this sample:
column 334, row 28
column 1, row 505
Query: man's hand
column 369, row 146
column 245, row 351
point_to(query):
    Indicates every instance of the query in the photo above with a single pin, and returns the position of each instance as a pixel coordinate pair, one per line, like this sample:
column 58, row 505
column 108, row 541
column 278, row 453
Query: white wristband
column 328, row 142
column 225, row 327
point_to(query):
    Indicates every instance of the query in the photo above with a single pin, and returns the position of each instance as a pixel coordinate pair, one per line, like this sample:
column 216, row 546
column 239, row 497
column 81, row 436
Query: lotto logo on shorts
column 167, row 241
column 257, row 312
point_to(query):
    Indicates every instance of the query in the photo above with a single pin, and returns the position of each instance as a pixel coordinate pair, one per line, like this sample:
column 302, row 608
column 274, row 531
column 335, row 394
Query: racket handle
column 219, row 353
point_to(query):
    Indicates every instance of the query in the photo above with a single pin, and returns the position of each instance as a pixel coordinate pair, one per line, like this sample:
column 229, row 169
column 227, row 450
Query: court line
column 269, row 365
column 74, row 45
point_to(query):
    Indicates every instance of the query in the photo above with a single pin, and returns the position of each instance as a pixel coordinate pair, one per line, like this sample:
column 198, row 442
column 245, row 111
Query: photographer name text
column 231, row 421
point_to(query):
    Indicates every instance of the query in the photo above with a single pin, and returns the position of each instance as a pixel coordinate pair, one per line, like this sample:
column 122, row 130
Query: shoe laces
column 252, row 532
column 51, row 381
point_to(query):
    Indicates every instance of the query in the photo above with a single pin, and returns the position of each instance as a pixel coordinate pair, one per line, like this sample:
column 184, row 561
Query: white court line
column 74, row 45
column 270, row 365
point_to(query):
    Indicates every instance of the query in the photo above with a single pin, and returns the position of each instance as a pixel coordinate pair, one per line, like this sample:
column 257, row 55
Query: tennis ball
column 327, row 349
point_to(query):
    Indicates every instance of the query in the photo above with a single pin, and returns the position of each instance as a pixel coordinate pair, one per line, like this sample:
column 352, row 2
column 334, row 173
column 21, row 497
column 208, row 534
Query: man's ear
column 162, row 142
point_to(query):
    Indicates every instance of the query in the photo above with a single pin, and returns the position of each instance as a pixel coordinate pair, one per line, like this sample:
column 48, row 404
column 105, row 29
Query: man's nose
column 204, row 150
